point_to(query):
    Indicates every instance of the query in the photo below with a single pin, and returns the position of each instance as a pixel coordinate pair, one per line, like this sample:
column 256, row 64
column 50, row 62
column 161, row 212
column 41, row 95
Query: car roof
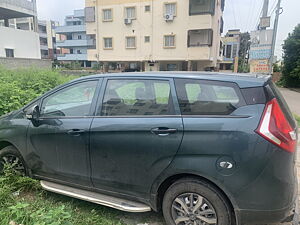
column 243, row 80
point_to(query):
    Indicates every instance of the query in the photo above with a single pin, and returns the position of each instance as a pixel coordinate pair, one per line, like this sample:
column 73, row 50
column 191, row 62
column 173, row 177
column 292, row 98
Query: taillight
column 275, row 128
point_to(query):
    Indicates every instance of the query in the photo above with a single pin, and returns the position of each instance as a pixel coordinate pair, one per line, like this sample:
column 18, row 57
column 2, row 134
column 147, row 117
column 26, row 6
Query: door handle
column 163, row 131
column 76, row 132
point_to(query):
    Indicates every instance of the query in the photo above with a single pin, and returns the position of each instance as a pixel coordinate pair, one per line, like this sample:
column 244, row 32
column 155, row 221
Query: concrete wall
column 26, row 44
column 14, row 63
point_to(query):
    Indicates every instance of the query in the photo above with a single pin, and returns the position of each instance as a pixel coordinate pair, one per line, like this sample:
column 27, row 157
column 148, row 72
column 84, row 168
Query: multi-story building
column 74, row 41
column 17, row 41
column 48, row 39
column 231, row 47
column 156, row 34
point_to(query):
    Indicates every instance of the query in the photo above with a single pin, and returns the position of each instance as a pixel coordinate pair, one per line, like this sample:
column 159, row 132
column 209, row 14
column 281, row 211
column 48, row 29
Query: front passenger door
column 59, row 143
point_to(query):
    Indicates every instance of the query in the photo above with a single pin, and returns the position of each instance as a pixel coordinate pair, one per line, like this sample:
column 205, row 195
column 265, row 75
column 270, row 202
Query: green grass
column 297, row 119
column 24, row 202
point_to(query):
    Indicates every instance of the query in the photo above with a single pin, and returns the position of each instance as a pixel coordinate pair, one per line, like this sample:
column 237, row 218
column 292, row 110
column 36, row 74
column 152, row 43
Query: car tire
column 213, row 207
column 12, row 156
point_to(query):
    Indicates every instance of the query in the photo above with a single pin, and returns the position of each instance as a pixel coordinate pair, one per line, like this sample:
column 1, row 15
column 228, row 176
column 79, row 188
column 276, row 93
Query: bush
column 24, row 202
column 291, row 65
column 19, row 87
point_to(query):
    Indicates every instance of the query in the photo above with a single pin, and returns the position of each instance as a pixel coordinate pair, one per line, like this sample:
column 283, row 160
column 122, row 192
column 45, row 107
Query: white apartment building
column 16, row 42
column 74, row 43
column 155, row 35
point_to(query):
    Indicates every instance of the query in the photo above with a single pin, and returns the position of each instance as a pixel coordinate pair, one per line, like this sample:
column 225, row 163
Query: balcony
column 72, row 57
column 70, row 29
column 10, row 9
column 43, row 34
column 44, row 46
column 74, row 43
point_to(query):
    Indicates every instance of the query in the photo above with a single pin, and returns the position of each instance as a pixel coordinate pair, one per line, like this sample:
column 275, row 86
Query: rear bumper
column 287, row 214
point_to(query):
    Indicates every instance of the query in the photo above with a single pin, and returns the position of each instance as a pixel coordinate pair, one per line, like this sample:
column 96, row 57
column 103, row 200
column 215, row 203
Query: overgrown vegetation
column 291, row 66
column 19, row 87
column 24, row 202
column 244, row 49
column 297, row 119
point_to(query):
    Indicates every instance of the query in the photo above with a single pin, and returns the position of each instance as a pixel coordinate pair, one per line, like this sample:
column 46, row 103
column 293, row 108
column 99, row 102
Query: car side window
column 137, row 98
column 197, row 97
column 72, row 101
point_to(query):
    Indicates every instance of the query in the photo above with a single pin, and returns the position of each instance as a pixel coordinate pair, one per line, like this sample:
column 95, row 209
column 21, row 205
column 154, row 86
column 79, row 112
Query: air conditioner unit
column 127, row 21
column 169, row 17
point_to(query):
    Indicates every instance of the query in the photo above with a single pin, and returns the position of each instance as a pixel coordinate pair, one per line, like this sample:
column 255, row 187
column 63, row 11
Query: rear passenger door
column 217, row 124
column 135, row 135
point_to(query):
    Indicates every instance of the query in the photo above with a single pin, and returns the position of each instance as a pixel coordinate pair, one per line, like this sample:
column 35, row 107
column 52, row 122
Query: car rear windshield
column 201, row 97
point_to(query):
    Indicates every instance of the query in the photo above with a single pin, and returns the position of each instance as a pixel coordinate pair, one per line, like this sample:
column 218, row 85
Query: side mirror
column 33, row 114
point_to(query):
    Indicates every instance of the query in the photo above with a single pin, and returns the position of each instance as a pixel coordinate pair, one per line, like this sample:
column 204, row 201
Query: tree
column 243, row 53
column 291, row 57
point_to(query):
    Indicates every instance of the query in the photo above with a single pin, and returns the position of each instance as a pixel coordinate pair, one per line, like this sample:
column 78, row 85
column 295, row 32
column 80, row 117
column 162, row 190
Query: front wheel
column 193, row 202
column 12, row 158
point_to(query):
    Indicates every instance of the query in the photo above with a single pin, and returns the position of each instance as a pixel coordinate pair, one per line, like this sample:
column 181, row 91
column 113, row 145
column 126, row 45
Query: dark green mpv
column 205, row 148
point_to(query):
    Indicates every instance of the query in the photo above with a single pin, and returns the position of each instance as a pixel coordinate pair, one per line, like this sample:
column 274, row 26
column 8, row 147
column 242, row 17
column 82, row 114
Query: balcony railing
column 70, row 29
column 72, row 57
column 74, row 43
column 29, row 5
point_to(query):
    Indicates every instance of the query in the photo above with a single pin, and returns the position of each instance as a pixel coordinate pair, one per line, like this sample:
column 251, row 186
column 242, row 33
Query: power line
column 259, row 15
column 234, row 15
column 251, row 9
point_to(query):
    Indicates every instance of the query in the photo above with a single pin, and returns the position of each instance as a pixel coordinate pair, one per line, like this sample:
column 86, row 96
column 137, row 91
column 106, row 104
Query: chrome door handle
column 162, row 131
column 76, row 132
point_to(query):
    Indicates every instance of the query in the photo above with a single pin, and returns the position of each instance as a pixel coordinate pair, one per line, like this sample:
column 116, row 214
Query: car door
column 135, row 135
column 59, row 141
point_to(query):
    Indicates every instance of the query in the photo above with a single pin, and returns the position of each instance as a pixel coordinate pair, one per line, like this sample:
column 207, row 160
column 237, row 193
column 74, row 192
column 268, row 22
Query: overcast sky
column 243, row 14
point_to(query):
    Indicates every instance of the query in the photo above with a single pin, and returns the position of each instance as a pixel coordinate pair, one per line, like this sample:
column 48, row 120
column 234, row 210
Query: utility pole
column 274, row 35
column 265, row 11
column 265, row 8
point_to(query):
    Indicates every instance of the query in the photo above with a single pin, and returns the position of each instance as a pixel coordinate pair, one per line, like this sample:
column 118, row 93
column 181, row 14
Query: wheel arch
column 4, row 144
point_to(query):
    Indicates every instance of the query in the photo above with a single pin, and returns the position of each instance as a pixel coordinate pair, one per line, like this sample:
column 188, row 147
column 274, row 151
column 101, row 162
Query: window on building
column 169, row 41
column 137, row 98
column 79, row 37
column 130, row 42
column 198, row 38
column 107, row 15
column 222, row 5
column 130, row 12
column 147, row 39
column 71, row 51
column 79, row 51
column 222, row 25
column 198, row 97
column 234, row 50
column 108, row 43
column 10, row 53
column 147, row 8
column 228, row 51
column 170, row 9
column 198, row 7
column 91, row 38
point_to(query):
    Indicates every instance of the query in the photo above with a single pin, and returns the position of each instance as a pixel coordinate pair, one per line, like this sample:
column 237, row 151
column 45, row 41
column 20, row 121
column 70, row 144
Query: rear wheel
column 193, row 202
column 11, row 157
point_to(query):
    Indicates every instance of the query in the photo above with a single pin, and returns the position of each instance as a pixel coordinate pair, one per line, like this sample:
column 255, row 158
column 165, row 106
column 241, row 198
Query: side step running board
column 113, row 202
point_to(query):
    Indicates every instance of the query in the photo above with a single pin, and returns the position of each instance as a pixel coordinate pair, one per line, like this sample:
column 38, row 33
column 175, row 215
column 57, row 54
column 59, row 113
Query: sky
column 242, row 14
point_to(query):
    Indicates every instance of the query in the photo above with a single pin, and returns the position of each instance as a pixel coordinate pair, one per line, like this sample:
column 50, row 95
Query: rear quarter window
column 200, row 97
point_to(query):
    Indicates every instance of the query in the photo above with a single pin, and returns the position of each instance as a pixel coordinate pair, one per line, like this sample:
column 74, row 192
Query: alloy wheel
column 193, row 209
column 14, row 162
